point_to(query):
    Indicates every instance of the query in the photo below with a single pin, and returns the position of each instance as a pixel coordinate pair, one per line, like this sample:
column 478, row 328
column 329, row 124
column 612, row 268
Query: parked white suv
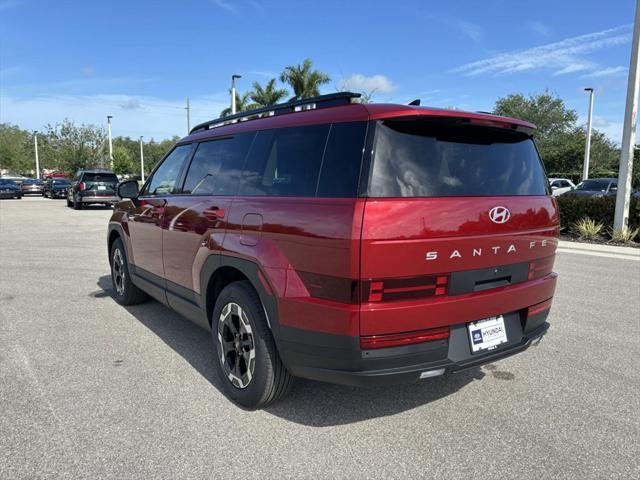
column 560, row 186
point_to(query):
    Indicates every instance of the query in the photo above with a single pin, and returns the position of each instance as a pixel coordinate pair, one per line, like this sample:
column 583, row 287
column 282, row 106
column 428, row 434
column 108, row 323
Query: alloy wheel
column 237, row 347
column 118, row 272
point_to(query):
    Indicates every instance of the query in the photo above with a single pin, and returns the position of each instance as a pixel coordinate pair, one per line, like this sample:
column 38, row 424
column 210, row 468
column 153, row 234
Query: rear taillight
column 541, row 267
column 399, row 339
column 539, row 308
column 404, row 288
column 81, row 186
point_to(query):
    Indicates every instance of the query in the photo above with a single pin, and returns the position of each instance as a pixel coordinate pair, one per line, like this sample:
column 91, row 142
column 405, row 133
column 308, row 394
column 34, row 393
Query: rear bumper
column 99, row 199
column 346, row 364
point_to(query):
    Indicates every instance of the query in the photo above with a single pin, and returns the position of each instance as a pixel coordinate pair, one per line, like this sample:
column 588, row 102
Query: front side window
column 165, row 177
column 285, row 162
column 593, row 185
column 217, row 166
column 442, row 159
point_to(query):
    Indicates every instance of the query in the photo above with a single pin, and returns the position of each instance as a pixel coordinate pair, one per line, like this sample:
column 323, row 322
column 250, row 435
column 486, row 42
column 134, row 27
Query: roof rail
column 321, row 101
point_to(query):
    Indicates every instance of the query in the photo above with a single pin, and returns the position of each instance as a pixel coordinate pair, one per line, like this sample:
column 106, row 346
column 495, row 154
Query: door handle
column 213, row 213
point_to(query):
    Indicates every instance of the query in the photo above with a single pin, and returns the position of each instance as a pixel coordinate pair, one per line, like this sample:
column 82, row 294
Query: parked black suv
column 56, row 188
column 96, row 185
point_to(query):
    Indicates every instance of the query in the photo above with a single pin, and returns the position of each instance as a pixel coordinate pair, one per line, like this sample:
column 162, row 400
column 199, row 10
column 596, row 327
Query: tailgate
column 433, row 262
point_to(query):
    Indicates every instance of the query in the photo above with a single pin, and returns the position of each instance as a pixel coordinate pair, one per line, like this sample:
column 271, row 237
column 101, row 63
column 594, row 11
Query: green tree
column 155, row 151
column 16, row 149
column 69, row 147
column 123, row 161
column 242, row 104
column 546, row 110
column 304, row 81
column 560, row 140
column 267, row 95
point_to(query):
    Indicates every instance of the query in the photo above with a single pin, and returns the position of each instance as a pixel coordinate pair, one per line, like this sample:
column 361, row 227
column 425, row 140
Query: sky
column 140, row 60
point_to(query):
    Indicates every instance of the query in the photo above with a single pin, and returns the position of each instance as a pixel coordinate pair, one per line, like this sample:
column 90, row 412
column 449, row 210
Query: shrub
column 587, row 228
column 601, row 210
column 626, row 236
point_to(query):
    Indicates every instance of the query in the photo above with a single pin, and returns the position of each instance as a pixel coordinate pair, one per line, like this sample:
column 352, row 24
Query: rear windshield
column 60, row 182
column 100, row 177
column 436, row 159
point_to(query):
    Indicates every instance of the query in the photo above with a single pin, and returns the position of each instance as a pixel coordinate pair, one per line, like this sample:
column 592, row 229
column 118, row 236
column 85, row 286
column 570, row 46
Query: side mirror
column 128, row 189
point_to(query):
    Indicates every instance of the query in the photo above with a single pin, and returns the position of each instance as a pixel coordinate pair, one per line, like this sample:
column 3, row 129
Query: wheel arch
column 116, row 231
column 219, row 272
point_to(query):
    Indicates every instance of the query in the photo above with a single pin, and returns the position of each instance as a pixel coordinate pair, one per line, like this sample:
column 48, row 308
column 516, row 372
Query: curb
column 612, row 251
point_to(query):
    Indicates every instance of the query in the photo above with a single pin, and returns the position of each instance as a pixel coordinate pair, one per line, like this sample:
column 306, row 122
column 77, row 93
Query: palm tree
column 242, row 104
column 304, row 81
column 269, row 95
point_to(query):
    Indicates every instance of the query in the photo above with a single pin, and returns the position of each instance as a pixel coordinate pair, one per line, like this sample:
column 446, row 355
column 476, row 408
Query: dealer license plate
column 487, row 334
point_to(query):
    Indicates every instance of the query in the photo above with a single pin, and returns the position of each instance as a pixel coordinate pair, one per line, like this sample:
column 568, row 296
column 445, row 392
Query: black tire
column 69, row 204
column 264, row 379
column 125, row 292
column 76, row 204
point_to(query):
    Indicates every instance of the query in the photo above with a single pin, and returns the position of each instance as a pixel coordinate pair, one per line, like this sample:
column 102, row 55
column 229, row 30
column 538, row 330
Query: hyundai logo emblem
column 499, row 214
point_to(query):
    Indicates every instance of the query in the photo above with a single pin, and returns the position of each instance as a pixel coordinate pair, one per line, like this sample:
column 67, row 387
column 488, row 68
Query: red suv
column 343, row 242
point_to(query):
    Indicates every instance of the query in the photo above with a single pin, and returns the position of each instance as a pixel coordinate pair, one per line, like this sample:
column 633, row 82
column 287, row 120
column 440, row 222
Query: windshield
column 442, row 159
column 594, row 185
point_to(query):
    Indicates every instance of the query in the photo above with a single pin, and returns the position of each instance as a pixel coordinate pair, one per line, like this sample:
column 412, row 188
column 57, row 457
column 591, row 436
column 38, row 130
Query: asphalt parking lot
column 89, row 389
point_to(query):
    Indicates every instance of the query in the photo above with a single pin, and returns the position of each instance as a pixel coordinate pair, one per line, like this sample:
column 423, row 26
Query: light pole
column 141, row 160
column 109, row 117
column 233, row 92
column 587, row 146
column 621, row 218
column 35, row 148
column 188, row 109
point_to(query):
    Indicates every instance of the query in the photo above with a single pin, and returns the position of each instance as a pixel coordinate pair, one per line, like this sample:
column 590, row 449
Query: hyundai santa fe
column 351, row 243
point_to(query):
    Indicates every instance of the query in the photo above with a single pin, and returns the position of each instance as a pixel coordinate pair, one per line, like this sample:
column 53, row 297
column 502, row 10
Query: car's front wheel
column 126, row 293
column 247, row 365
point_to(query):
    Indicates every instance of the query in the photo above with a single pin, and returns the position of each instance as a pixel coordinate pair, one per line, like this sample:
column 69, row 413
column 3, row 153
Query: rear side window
column 285, row 162
column 99, row 177
column 342, row 158
column 438, row 159
column 216, row 167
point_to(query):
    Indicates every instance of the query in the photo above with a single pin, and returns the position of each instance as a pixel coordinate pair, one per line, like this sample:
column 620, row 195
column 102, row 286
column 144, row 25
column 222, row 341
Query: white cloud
column 611, row 128
column 606, row 72
column 471, row 30
column 539, row 28
column 376, row 83
column 225, row 5
column 132, row 115
column 574, row 67
column 557, row 56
